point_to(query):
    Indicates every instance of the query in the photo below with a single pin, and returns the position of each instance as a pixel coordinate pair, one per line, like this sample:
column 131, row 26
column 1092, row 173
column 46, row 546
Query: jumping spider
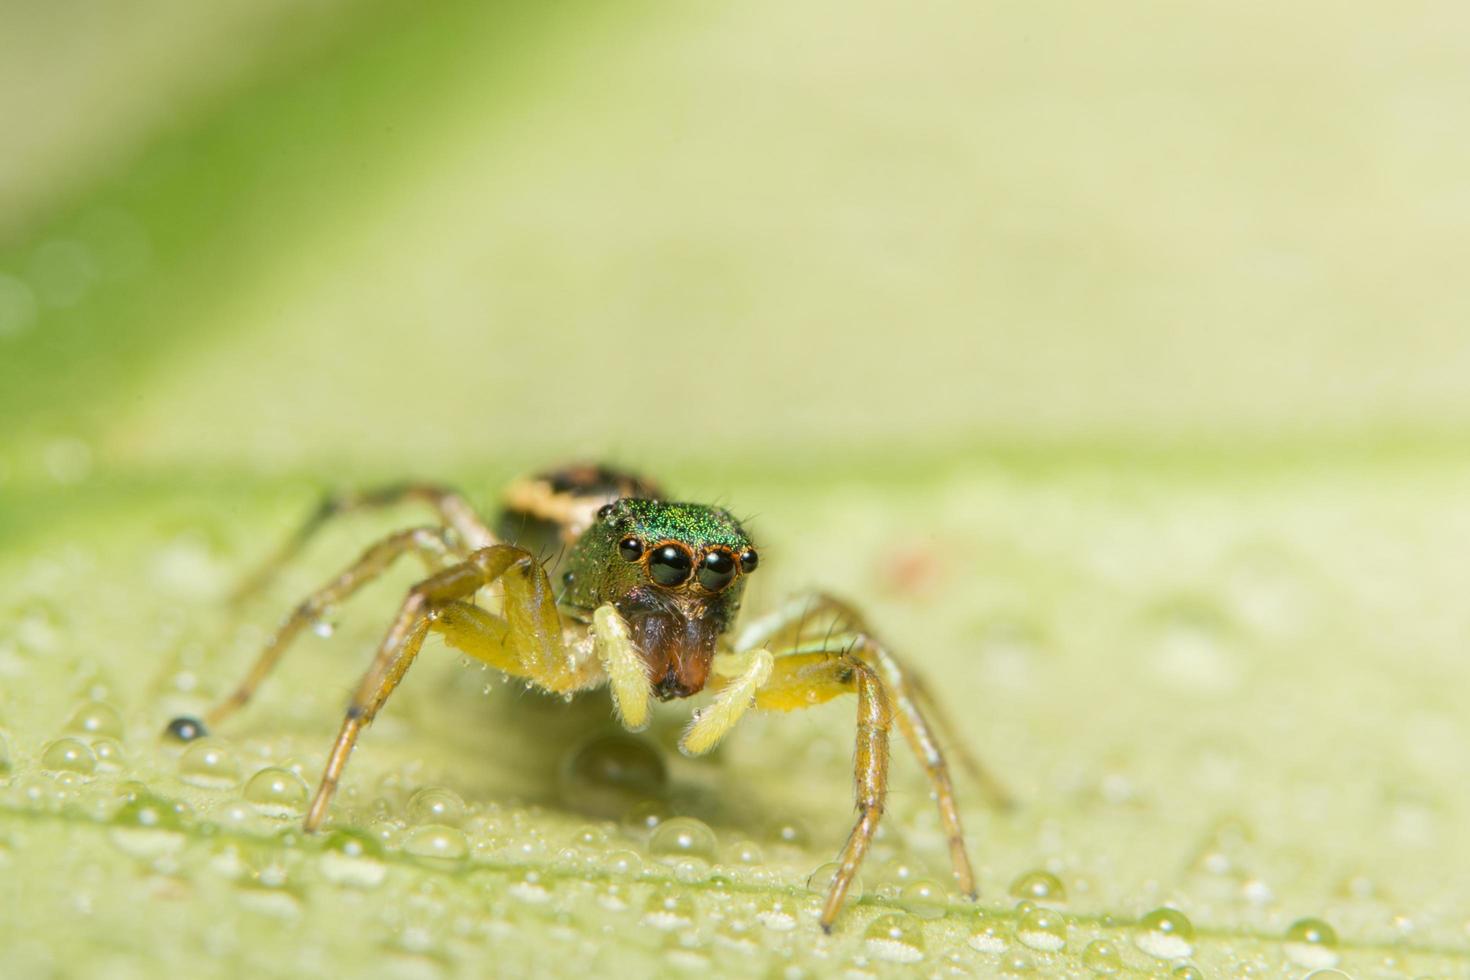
column 649, row 593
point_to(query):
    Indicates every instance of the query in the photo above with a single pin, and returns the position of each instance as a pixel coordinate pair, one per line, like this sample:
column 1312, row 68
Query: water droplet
column 148, row 826
column 775, row 914
column 209, row 763
column 819, row 882
column 897, row 938
column 1165, row 934
column 791, row 833
column 745, row 852
column 623, row 863
column 69, row 755
column 436, row 804
column 276, row 792
column 683, row 837
column 1312, row 943
column 1043, row 929
column 354, row 858
column 607, row 774
column 109, row 753
column 95, row 718
column 185, row 729
column 1039, row 886
column 989, row 938
column 925, row 898
column 437, row 845
column 668, row 909
column 1187, row 971
column 643, row 818
column 1103, row 956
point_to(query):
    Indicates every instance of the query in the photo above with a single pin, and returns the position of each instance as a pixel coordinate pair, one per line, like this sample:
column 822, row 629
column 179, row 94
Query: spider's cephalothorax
column 650, row 590
column 674, row 572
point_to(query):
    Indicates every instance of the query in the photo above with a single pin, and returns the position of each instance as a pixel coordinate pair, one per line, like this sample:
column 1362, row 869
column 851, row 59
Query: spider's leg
column 738, row 677
column 529, row 618
column 427, row 541
column 920, row 735
column 823, row 619
column 800, row 680
column 452, row 508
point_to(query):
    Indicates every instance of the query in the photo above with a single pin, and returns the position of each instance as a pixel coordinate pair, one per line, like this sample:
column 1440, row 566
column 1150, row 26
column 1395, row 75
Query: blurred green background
column 1115, row 356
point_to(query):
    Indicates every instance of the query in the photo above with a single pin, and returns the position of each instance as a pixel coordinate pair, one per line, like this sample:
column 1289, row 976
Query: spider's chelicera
column 651, row 589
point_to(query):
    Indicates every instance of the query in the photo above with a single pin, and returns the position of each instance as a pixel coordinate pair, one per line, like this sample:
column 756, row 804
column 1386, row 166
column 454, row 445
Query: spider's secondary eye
column 604, row 510
column 631, row 549
column 670, row 565
column 716, row 571
column 748, row 560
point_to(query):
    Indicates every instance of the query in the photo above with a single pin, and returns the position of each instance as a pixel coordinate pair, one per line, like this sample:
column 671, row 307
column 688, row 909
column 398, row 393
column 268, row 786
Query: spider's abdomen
column 547, row 513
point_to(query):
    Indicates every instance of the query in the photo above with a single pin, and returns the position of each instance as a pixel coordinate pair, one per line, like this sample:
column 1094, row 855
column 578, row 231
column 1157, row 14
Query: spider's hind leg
column 428, row 542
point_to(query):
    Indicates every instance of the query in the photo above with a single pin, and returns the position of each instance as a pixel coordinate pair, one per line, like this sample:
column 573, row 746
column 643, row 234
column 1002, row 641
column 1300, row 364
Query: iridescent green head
column 675, row 572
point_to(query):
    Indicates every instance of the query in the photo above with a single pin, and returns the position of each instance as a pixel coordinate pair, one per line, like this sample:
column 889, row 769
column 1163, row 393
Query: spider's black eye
column 716, row 571
column 604, row 510
column 630, row 548
column 748, row 560
column 670, row 565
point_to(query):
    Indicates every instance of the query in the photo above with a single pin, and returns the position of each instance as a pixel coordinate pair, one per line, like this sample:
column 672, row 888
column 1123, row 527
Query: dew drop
column 989, row 938
column 925, row 898
column 95, row 718
column 641, row 819
column 210, row 764
column 1042, row 929
column 1187, row 971
column 276, row 792
column 745, row 852
column 437, row 845
column 608, row 774
column 1039, row 886
column 668, row 909
column 109, row 753
column 791, row 833
column 354, row 858
column 1312, row 943
column 1165, row 934
column 69, row 755
column 1102, row 956
column 623, row 863
column 683, row 837
column 148, row 826
column 819, row 882
column 436, row 804
column 896, row 938
column 775, row 914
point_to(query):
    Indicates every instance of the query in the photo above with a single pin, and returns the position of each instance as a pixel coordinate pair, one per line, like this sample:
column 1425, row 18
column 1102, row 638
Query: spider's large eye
column 716, row 571
column 670, row 565
column 630, row 548
column 748, row 560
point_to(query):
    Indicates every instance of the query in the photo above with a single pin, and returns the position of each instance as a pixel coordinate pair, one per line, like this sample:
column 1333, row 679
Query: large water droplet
column 683, row 837
column 95, row 718
column 209, row 763
column 608, row 774
column 353, row 857
column 1043, row 929
column 897, row 938
column 1102, row 956
column 436, row 804
column 109, row 753
column 819, row 882
column 1039, row 886
column 276, row 792
column 1312, row 943
column 437, row 845
column 69, row 755
column 925, row 898
column 1165, row 934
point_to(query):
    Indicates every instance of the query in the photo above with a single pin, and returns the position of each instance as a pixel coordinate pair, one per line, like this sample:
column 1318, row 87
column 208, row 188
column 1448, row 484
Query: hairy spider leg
column 455, row 512
column 429, row 542
column 800, row 680
column 533, row 630
column 818, row 617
